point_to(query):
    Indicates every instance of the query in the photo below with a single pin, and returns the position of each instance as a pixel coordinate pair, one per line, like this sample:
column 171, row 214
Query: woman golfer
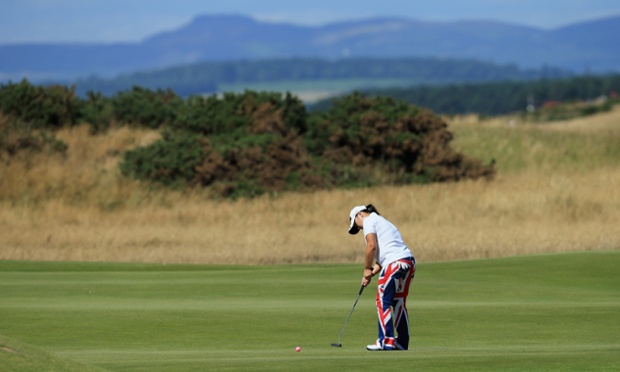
column 388, row 256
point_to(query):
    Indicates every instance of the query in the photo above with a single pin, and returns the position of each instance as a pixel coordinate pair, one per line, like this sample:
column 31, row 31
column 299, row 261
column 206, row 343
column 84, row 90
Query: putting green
column 543, row 312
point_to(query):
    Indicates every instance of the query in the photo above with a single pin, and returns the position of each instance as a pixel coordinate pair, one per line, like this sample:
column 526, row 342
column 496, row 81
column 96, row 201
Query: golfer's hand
column 367, row 277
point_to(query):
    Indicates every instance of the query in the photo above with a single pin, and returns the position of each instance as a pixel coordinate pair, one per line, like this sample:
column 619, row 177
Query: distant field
column 535, row 313
column 313, row 90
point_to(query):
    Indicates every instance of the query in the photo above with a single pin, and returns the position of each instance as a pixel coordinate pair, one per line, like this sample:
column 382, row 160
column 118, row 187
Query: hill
column 586, row 46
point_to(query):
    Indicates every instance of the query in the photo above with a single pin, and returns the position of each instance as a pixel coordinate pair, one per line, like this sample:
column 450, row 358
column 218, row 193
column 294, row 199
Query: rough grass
column 535, row 313
column 556, row 191
column 579, row 145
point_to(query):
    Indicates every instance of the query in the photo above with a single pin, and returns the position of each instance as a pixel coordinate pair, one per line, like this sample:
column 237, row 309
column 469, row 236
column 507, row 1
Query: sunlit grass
column 536, row 313
column 579, row 145
column 556, row 190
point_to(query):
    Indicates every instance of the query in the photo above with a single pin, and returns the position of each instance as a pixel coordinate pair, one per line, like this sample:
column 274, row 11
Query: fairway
column 535, row 313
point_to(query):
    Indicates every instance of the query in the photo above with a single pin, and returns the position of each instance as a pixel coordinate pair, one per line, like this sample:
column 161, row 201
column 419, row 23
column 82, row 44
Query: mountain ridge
column 587, row 46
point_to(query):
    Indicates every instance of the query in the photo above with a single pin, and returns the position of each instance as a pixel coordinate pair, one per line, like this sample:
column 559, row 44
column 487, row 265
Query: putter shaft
column 349, row 317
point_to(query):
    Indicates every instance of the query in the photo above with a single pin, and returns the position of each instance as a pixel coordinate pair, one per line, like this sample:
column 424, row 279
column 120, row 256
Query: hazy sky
column 134, row 20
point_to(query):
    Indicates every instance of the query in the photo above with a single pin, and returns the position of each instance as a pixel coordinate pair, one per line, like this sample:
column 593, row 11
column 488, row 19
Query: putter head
column 337, row 345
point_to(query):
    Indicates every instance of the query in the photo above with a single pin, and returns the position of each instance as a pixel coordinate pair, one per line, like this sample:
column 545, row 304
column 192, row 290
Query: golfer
column 388, row 256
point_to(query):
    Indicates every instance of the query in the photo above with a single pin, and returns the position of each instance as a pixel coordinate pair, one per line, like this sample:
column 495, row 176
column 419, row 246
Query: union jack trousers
column 392, row 290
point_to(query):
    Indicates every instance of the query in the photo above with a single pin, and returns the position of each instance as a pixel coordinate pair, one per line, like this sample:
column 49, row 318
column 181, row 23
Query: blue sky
column 107, row 21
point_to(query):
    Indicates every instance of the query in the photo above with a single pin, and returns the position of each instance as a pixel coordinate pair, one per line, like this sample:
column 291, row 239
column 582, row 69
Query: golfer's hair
column 371, row 208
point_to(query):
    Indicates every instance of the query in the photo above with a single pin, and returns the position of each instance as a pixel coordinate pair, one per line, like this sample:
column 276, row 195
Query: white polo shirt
column 391, row 245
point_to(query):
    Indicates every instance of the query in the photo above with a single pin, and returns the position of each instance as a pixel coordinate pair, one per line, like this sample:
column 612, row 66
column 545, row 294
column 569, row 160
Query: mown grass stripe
column 518, row 313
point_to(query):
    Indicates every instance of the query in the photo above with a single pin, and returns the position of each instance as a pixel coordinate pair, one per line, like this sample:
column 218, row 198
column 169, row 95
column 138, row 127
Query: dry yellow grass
column 78, row 208
column 603, row 122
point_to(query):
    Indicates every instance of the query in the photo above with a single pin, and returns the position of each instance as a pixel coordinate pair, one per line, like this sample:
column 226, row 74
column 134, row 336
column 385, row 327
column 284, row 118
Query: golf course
column 518, row 273
column 325, row 186
column 536, row 313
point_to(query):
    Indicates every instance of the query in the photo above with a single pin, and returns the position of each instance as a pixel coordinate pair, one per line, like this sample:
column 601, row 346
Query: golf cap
column 352, row 228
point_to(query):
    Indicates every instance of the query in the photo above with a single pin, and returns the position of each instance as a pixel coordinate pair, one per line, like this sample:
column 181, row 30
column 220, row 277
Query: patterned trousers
column 392, row 290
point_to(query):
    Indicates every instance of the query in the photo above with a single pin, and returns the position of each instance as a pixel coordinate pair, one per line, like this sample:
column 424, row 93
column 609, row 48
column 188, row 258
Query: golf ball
column 298, row 349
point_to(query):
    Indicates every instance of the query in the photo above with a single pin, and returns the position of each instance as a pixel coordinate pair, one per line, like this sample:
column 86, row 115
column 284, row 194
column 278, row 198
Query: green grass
column 17, row 356
column 541, row 313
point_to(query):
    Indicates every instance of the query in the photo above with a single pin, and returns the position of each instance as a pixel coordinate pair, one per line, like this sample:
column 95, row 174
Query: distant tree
column 496, row 98
column 209, row 77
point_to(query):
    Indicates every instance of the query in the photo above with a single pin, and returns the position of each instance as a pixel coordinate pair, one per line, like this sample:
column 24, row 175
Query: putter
column 338, row 344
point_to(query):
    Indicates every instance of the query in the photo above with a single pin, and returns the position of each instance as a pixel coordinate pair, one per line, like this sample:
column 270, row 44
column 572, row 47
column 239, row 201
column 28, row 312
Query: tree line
column 498, row 98
column 208, row 77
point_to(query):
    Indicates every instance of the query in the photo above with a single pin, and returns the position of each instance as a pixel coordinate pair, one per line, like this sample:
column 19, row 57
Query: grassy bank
column 579, row 145
column 535, row 313
column 556, row 191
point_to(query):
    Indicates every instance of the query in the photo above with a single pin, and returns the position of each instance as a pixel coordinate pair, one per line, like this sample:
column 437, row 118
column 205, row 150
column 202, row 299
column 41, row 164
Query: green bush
column 238, row 144
column 146, row 108
column 249, row 143
column 96, row 110
column 409, row 142
column 50, row 107
column 233, row 112
column 171, row 161
column 211, row 115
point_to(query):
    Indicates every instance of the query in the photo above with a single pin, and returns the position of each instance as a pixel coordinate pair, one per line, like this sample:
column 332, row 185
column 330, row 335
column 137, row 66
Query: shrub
column 50, row 107
column 171, row 161
column 233, row 112
column 555, row 111
column 17, row 137
column 251, row 143
column 146, row 108
column 211, row 115
column 405, row 139
column 239, row 144
column 96, row 110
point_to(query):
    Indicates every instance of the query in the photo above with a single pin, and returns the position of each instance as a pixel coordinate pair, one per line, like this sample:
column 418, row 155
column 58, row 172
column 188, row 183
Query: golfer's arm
column 376, row 269
column 371, row 251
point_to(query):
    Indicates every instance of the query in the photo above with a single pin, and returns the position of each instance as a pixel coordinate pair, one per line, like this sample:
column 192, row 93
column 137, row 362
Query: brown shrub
column 366, row 131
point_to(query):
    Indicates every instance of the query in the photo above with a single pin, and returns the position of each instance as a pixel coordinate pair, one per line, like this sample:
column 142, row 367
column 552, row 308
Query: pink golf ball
column 298, row 349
